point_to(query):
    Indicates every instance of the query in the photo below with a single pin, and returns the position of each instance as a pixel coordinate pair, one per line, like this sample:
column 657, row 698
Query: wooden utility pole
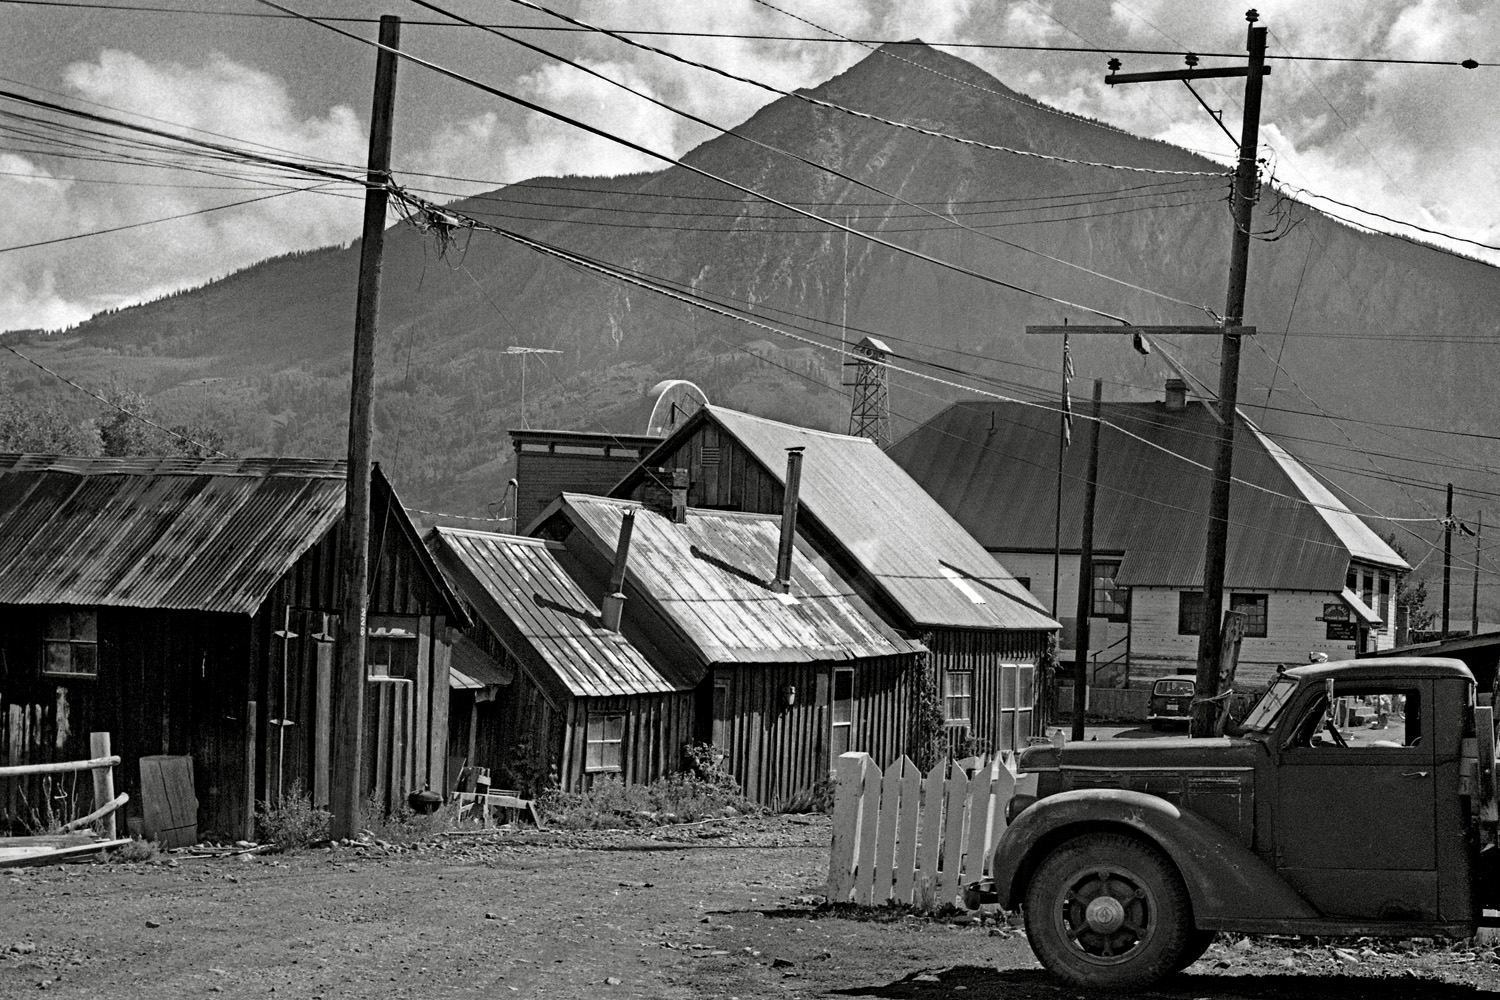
column 1447, row 557
column 1086, row 573
column 1474, row 594
column 345, row 785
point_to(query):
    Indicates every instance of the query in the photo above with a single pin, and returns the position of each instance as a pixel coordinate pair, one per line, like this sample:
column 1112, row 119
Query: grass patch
column 405, row 826
column 613, row 805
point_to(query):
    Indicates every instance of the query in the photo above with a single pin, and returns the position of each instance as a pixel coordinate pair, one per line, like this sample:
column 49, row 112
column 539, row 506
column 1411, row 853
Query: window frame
column 1184, row 625
column 1114, row 590
column 835, row 722
column 952, row 696
column 1264, row 601
column 70, row 641
column 604, row 742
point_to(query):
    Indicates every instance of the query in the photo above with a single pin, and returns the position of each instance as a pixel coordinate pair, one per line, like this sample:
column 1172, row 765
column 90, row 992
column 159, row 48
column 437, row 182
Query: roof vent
column 1176, row 395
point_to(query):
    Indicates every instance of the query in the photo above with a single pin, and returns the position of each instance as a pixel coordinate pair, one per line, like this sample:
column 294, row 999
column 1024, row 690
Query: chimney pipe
column 614, row 601
column 783, row 583
column 1176, row 395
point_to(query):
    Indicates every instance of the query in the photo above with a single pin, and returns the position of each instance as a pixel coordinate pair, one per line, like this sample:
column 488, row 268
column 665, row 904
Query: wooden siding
column 985, row 654
column 1292, row 630
column 776, row 750
column 168, row 682
column 543, row 474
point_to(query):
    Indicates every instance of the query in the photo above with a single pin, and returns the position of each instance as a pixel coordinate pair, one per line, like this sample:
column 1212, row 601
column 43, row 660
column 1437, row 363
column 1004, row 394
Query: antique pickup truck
column 1134, row 853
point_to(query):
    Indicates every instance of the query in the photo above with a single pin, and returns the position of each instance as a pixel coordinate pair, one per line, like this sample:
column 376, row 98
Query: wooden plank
column 885, row 848
column 930, row 844
column 104, row 785
column 906, row 830
column 869, row 835
column 976, row 805
column 954, row 817
column 322, row 723
column 250, row 755
column 1002, row 790
column 169, row 804
column 382, row 746
column 847, row 790
column 60, row 767
column 437, row 708
column 23, row 857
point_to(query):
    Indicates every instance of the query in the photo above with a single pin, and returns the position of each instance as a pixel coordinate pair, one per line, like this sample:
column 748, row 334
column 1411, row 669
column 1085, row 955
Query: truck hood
column 1168, row 753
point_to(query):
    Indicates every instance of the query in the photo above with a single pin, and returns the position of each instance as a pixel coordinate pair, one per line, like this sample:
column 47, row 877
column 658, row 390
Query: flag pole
column 1064, row 437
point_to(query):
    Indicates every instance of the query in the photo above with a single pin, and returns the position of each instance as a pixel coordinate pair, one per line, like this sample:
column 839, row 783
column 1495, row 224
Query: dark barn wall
column 657, row 727
column 168, row 682
column 778, row 750
column 547, row 465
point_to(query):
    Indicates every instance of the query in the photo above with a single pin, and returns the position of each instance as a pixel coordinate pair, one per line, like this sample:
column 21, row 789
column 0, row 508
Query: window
column 1110, row 601
column 606, row 742
column 70, row 643
column 1363, row 717
column 391, row 646
column 1386, row 610
column 1190, row 612
column 1024, row 581
column 843, row 711
column 958, row 697
column 1254, row 608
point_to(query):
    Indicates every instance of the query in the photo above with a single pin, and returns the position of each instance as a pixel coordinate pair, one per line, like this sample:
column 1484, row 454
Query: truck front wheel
column 1107, row 911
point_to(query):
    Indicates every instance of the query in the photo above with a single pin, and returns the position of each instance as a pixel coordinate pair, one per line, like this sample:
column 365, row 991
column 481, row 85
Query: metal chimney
column 1176, row 395
column 614, row 601
column 783, row 582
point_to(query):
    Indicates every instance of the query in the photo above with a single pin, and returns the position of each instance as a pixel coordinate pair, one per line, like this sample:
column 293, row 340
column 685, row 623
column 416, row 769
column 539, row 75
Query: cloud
column 66, row 281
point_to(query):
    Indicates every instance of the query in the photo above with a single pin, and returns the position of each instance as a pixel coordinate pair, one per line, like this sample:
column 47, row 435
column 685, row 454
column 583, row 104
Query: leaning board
column 168, row 801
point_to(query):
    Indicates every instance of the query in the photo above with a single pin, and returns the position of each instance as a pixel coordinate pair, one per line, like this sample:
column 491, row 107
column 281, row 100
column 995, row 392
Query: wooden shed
column 906, row 556
column 189, row 607
column 578, row 700
column 784, row 680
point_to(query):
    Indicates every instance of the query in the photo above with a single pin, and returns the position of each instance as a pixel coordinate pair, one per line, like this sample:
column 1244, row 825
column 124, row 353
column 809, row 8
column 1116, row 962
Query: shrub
column 612, row 804
column 405, row 826
column 136, row 850
column 704, row 762
column 294, row 822
column 818, row 798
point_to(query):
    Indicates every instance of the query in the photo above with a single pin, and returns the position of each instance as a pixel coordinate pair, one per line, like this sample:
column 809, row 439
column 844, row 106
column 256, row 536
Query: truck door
column 1356, row 804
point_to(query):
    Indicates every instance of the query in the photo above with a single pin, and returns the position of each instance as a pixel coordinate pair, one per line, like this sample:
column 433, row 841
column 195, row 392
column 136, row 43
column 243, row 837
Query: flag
column 1067, row 400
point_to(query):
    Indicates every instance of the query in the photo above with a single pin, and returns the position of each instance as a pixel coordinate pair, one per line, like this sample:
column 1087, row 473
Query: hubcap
column 1105, row 915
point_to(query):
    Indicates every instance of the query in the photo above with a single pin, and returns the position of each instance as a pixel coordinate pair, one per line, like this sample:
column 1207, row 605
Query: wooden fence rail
column 103, row 764
column 904, row 837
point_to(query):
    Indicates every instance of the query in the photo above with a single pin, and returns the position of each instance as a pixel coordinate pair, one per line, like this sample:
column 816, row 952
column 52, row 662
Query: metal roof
column 994, row 466
column 522, row 589
column 914, row 551
column 174, row 533
column 710, row 577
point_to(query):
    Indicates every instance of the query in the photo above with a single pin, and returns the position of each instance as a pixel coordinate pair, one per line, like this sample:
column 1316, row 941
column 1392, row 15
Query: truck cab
column 1357, row 798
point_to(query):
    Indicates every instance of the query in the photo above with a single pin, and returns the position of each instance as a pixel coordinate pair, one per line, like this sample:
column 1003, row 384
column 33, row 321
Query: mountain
column 1380, row 329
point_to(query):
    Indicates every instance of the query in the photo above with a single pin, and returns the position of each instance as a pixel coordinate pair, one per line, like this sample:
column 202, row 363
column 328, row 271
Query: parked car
column 1171, row 701
column 1133, row 854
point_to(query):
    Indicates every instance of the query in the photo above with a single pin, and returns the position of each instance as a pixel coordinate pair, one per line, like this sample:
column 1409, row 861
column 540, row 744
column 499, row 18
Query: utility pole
column 1086, row 573
column 1244, row 195
column 1474, row 595
column 1447, row 557
column 345, row 787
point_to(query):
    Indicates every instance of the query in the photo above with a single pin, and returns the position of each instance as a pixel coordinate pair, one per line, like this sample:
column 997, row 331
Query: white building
column 1311, row 576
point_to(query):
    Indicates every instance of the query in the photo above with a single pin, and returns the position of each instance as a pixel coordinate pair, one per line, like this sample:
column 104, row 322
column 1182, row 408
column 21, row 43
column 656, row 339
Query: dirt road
column 723, row 910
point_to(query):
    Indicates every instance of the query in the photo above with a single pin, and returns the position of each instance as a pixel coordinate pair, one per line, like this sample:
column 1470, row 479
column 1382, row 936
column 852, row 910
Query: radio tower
column 871, row 414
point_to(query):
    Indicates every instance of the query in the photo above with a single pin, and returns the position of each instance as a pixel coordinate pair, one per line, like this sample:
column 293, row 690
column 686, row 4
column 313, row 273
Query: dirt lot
column 720, row 910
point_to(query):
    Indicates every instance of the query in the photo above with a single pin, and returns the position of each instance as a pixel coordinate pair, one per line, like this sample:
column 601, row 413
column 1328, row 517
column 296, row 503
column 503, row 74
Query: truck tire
column 1198, row 942
column 1107, row 911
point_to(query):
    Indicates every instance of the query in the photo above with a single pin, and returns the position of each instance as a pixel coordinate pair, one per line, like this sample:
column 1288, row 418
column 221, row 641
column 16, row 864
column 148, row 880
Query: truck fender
column 1224, row 879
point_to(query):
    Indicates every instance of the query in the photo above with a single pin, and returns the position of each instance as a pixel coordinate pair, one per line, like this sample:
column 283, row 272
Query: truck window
column 1362, row 718
column 1263, row 716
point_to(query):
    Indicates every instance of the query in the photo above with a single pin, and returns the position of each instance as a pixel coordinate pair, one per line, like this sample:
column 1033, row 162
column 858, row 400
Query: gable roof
column 912, row 549
column 175, row 533
column 994, row 465
column 526, row 591
column 710, row 578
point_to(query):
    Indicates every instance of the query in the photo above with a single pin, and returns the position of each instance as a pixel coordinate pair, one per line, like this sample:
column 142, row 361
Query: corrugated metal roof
column 915, row 551
column 711, row 577
column 471, row 668
column 994, row 466
column 522, row 586
column 174, row 533
column 1359, row 607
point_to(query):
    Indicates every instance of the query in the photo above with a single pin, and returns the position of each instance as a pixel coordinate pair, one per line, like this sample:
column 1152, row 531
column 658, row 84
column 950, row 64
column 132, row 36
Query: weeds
column 817, row 799
column 294, row 823
column 404, row 826
column 612, row 804
column 135, row 851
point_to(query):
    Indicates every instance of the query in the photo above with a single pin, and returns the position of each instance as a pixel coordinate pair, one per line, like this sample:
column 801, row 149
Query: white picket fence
column 902, row 837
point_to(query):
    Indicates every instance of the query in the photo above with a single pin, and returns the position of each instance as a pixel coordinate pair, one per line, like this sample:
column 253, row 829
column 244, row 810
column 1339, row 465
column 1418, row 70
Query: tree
column 124, row 434
column 42, row 428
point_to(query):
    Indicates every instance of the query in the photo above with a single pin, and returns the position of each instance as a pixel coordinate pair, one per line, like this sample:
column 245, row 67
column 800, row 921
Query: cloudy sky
column 1414, row 142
